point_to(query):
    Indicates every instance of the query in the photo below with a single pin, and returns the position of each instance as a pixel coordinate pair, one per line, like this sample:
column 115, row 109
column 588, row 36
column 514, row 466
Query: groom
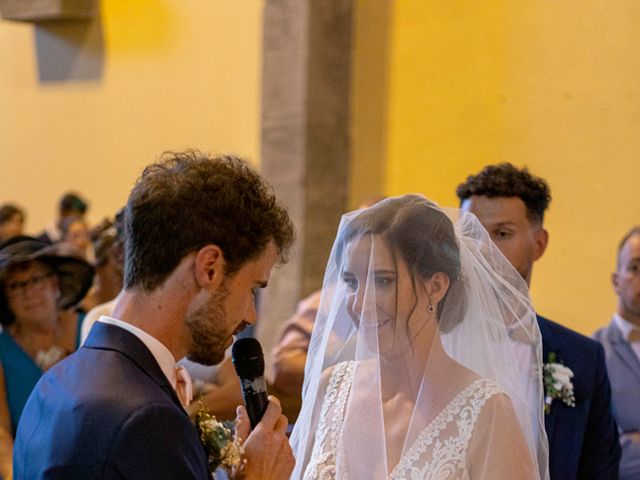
column 202, row 234
column 583, row 439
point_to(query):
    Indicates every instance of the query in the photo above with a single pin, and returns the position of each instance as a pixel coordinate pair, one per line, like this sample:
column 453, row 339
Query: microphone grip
column 256, row 399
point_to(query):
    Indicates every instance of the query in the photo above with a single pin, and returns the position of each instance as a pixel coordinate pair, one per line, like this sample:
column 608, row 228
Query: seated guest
column 75, row 232
column 108, row 253
column 37, row 281
column 108, row 280
column 11, row 222
column 290, row 353
column 71, row 205
column 621, row 342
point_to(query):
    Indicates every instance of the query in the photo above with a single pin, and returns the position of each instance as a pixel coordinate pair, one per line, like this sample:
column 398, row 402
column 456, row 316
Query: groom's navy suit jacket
column 107, row 412
column 583, row 440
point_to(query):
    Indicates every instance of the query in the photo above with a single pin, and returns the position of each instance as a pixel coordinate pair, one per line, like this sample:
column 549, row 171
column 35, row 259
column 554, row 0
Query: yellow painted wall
column 85, row 106
column 551, row 85
column 369, row 97
column 441, row 89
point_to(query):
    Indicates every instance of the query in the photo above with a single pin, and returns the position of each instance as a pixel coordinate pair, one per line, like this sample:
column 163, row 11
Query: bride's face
column 380, row 292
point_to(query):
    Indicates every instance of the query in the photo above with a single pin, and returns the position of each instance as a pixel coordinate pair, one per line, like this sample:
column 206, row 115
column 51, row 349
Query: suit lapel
column 110, row 337
column 623, row 350
column 550, row 344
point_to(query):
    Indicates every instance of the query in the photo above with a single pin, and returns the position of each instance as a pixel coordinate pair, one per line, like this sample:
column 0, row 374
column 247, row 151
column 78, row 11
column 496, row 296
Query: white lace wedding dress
column 439, row 452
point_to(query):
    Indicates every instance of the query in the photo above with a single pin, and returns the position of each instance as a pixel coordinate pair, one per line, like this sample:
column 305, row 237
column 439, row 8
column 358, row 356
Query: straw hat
column 74, row 273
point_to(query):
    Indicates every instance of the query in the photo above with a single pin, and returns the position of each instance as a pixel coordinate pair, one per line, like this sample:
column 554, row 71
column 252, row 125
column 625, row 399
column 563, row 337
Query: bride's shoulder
column 336, row 376
column 481, row 391
column 338, row 373
column 492, row 395
column 495, row 401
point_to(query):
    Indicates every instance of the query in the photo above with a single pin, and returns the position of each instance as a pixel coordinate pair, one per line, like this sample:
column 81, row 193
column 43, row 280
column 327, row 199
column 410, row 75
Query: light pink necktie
column 184, row 387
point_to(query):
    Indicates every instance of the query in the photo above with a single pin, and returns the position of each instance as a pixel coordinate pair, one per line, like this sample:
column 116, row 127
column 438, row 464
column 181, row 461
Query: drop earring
column 430, row 308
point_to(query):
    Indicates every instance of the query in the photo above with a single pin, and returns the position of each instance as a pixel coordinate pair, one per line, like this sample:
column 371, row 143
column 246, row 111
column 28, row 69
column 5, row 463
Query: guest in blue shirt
column 38, row 285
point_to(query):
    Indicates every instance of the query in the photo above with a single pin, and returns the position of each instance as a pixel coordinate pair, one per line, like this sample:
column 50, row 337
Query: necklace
column 45, row 359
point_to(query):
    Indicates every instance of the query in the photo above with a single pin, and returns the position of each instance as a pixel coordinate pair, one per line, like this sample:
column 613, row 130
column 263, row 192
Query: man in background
column 70, row 205
column 621, row 342
column 583, row 439
column 11, row 222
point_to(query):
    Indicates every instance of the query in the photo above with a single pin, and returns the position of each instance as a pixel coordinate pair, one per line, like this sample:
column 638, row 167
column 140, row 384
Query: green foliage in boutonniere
column 557, row 383
column 222, row 447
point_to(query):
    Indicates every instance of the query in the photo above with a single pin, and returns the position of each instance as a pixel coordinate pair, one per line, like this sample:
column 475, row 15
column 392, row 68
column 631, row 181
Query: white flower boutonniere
column 557, row 383
column 223, row 448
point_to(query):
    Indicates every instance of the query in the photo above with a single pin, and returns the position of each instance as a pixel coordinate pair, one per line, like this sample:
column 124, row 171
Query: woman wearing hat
column 37, row 282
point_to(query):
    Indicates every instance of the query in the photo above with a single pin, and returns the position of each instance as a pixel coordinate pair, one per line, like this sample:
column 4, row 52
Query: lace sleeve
column 498, row 449
column 323, row 459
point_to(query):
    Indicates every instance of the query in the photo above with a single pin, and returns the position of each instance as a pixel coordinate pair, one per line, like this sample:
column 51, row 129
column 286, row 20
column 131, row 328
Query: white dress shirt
column 198, row 372
column 161, row 353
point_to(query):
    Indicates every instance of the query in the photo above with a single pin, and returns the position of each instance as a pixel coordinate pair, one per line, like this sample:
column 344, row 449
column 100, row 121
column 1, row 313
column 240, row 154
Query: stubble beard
column 631, row 306
column 207, row 330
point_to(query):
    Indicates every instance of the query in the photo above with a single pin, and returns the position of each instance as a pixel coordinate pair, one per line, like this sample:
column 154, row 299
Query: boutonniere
column 557, row 383
column 223, row 448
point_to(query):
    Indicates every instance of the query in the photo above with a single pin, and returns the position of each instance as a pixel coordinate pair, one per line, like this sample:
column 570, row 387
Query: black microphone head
column 247, row 357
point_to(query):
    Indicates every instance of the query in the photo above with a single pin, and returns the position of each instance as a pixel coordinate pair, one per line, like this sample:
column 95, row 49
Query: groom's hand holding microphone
column 260, row 424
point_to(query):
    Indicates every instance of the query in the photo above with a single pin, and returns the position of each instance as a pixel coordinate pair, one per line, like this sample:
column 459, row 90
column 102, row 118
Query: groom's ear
column 209, row 267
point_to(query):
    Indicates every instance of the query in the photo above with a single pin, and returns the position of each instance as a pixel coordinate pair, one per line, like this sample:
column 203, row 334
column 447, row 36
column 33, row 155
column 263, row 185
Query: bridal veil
column 425, row 359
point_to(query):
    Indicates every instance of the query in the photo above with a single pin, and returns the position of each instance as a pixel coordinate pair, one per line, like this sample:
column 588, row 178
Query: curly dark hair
column 505, row 180
column 188, row 200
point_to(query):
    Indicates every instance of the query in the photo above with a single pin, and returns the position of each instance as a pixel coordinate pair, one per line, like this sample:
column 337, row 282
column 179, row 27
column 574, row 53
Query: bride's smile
column 381, row 292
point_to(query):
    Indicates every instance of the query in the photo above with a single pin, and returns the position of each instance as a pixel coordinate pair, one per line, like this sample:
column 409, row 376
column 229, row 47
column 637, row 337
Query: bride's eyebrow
column 384, row 272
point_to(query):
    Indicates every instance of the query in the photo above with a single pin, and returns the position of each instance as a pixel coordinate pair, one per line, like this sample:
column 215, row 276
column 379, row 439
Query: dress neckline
column 438, row 424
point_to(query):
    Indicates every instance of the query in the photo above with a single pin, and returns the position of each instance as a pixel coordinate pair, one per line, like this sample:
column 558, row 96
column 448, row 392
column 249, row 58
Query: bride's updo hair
column 415, row 228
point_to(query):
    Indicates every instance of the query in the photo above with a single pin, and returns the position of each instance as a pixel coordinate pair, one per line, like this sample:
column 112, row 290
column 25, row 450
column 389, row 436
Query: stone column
column 305, row 139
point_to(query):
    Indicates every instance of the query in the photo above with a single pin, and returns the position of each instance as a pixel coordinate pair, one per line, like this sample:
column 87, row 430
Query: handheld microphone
column 248, row 361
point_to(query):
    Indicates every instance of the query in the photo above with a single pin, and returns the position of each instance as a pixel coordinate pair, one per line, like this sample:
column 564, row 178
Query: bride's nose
column 356, row 302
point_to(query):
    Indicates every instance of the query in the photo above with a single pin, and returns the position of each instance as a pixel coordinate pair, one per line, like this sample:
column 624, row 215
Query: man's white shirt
column 161, row 353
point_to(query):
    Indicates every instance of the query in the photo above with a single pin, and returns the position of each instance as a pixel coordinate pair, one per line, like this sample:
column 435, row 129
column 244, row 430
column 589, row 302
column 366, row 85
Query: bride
column 425, row 360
